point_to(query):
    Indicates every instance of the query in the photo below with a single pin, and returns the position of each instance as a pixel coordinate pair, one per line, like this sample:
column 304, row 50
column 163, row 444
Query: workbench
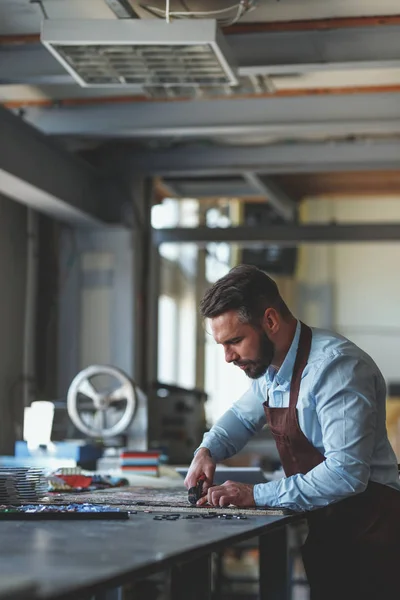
column 79, row 559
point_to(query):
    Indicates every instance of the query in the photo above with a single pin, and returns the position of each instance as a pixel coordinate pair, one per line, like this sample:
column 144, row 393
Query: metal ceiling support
column 272, row 52
column 281, row 235
column 316, row 23
column 122, row 9
column 281, row 202
column 224, row 187
column 290, row 117
column 39, row 173
column 304, row 51
column 204, row 161
column 31, row 64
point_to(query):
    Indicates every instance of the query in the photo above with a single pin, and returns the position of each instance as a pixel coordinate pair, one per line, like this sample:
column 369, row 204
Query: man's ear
column 271, row 321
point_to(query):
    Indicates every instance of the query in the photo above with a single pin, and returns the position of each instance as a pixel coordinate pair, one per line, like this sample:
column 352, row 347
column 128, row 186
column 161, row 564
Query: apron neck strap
column 303, row 352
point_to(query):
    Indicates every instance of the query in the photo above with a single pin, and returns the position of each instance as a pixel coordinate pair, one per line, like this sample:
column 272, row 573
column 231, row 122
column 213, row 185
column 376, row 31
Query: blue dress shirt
column 341, row 410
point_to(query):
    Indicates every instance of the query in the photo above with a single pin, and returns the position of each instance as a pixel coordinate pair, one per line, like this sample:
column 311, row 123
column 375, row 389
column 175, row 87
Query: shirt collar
column 284, row 375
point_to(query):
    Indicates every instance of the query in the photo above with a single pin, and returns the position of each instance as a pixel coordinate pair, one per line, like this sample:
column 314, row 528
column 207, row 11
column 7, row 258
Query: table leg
column 274, row 565
column 219, row 575
column 192, row 580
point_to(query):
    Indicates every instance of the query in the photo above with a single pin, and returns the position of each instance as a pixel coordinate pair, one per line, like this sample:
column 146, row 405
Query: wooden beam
column 19, row 39
column 341, row 184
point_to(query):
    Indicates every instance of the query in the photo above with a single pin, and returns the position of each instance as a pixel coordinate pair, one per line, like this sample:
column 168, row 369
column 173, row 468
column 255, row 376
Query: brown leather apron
column 353, row 547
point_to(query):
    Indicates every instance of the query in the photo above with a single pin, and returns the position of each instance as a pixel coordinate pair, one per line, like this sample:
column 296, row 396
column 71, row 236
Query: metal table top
column 17, row 588
column 67, row 557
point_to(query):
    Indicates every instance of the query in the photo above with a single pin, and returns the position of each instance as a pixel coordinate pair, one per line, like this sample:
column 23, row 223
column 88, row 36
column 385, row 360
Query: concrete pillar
column 13, row 240
column 200, row 287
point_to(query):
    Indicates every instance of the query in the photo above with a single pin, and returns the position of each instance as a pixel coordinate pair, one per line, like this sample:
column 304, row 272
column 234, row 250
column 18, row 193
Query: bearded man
column 323, row 399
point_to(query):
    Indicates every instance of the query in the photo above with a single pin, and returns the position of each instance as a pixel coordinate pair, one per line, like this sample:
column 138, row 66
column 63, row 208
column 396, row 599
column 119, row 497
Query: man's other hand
column 202, row 464
column 230, row 492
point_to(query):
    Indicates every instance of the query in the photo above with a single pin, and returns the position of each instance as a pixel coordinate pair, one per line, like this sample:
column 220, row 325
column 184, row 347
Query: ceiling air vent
column 150, row 52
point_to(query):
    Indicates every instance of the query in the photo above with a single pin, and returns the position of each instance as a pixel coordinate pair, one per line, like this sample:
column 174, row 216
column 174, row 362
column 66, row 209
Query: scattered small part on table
column 176, row 516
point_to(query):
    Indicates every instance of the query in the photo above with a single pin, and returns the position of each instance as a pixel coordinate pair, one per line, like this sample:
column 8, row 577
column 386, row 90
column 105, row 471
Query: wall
column 12, row 305
column 354, row 288
column 96, row 301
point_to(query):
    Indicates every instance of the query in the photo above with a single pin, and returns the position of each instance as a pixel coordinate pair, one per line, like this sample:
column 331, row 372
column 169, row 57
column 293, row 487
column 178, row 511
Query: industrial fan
column 102, row 401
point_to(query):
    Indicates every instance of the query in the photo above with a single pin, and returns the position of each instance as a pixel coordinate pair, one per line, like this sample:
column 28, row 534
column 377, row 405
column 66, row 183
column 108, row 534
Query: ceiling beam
column 30, row 64
column 225, row 187
column 280, row 235
column 67, row 96
column 205, row 161
column 314, row 24
column 304, row 51
column 288, row 118
column 283, row 205
column 267, row 26
column 356, row 184
column 39, row 173
column 122, row 9
column 267, row 53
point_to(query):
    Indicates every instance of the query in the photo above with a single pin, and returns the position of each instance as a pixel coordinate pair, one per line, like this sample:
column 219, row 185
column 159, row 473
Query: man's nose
column 231, row 355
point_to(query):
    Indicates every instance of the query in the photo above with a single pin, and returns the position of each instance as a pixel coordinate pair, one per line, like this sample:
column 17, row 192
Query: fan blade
column 121, row 393
column 99, row 420
column 87, row 389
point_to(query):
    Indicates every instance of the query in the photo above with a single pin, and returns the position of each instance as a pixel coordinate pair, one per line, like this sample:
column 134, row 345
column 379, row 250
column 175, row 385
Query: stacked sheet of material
column 21, row 485
column 142, row 463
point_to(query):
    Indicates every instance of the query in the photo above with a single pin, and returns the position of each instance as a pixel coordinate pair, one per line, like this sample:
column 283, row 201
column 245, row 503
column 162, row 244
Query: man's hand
column 230, row 492
column 202, row 464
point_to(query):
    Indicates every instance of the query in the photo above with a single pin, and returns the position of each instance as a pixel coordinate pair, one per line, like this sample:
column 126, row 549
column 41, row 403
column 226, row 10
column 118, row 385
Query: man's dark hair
column 247, row 290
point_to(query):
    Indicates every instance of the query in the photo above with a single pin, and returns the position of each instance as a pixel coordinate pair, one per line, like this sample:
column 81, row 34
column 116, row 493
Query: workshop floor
column 241, row 573
column 300, row 593
column 156, row 587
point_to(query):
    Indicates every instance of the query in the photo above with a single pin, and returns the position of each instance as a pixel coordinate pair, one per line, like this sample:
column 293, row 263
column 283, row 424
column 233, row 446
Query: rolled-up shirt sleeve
column 344, row 394
column 234, row 429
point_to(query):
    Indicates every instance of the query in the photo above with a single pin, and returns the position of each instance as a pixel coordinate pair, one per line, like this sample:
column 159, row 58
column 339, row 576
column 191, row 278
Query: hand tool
column 196, row 492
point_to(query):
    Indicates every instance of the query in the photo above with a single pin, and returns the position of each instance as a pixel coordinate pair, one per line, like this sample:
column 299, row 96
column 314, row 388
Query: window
column 167, row 339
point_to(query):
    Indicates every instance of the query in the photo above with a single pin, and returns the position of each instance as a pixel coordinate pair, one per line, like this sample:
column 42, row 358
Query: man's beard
column 256, row 368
